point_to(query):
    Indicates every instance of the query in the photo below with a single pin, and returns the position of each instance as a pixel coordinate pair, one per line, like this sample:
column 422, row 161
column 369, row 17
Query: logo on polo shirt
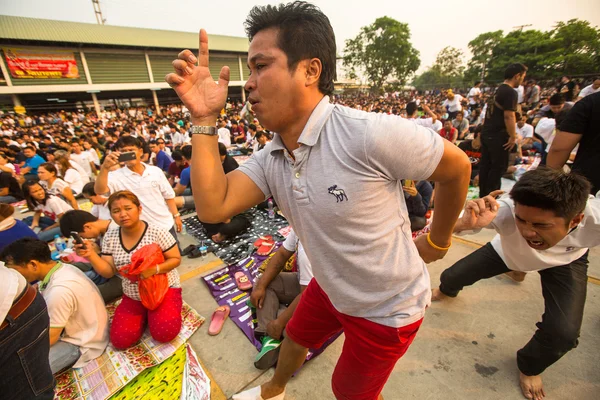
column 339, row 194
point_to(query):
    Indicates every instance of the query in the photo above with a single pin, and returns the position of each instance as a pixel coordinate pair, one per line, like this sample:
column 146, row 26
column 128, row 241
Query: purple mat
column 222, row 286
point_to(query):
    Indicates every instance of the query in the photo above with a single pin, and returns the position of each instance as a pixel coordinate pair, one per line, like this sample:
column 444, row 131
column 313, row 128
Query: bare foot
column 269, row 390
column 437, row 295
column 275, row 329
column 516, row 276
column 532, row 386
column 218, row 238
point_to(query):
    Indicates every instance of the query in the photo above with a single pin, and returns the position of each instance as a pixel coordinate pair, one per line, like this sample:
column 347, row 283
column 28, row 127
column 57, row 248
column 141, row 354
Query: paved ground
column 464, row 350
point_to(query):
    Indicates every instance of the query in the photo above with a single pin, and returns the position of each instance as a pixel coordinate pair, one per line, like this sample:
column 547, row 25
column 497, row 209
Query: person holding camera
column 147, row 182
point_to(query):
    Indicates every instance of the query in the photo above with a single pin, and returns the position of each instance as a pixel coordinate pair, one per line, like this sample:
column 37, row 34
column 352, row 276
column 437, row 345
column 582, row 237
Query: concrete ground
column 464, row 350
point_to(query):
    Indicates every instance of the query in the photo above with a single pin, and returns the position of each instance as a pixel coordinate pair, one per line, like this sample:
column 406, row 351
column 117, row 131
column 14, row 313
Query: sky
column 434, row 24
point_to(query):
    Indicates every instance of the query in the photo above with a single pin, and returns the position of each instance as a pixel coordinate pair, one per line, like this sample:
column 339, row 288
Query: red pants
column 370, row 350
column 129, row 321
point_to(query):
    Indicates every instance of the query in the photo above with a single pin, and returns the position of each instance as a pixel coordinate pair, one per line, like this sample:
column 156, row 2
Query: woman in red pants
column 118, row 245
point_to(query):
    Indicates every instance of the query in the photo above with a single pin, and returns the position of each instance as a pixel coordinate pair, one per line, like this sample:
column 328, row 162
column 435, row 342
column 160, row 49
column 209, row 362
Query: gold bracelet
column 436, row 246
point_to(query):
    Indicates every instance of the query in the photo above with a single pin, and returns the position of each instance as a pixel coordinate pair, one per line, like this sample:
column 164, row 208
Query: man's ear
column 313, row 71
column 576, row 221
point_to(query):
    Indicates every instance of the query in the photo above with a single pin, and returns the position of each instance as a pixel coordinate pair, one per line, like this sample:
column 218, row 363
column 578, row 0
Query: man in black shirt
column 499, row 130
column 10, row 191
column 229, row 163
column 581, row 125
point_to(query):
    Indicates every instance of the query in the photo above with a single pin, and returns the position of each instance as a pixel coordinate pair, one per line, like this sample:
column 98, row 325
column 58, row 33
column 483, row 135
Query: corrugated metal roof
column 21, row 28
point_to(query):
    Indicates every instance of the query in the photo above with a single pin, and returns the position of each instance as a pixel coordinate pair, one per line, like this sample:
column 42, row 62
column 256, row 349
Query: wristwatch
column 203, row 130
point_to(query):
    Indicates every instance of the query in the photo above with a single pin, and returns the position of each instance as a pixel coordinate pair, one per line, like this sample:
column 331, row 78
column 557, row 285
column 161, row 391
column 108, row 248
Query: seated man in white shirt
column 412, row 113
column 590, row 89
column 546, row 224
column 78, row 317
column 100, row 203
column 274, row 288
column 525, row 135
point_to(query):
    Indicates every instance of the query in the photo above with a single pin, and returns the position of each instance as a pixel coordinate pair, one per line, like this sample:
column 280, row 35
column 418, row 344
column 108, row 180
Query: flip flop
column 217, row 320
column 188, row 249
column 261, row 239
column 265, row 248
column 242, row 281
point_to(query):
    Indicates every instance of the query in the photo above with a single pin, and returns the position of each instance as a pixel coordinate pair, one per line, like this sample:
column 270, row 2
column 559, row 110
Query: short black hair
column 557, row 99
column 476, row 83
column 565, row 194
column 177, row 156
column 74, row 220
column 411, row 108
column 260, row 134
column 125, row 141
column 304, row 32
column 151, row 142
column 186, row 151
column 252, row 127
column 514, row 69
column 222, row 149
column 88, row 189
column 25, row 250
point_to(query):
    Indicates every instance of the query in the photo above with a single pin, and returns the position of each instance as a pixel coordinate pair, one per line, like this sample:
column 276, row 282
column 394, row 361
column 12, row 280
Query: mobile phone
column 128, row 156
column 408, row 183
column 77, row 238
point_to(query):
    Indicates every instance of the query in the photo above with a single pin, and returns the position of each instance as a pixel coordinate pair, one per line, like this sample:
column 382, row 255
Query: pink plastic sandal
column 217, row 320
column 242, row 281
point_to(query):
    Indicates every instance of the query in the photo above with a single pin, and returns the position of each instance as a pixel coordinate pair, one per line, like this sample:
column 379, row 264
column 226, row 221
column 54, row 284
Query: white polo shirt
column 224, row 136
column 525, row 132
column 519, row 256
column 454, row 104
column 152, row 188
column 292, row 243
column 343, row 196
column 75, row 304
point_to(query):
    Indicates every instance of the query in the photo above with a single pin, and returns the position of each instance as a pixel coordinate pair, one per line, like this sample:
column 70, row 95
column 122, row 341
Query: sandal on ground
column 242, row 281
column 217, row 320
column 265, row 248
column 269, row 353
column 254, row 394
column 260, row 240
column 188, row 249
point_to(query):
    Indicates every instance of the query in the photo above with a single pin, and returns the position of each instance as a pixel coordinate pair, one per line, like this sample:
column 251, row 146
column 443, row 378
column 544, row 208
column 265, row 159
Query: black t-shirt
column 229, row 164
column 584, row 119
column 568, row 95
column 7, row 181
column 505, row 99
column 474, row 154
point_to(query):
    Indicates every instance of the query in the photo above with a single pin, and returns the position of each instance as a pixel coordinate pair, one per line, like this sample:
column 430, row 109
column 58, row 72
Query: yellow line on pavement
column 201, row 270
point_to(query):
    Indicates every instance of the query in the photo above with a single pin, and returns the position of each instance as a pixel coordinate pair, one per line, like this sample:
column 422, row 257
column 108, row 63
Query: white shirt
column 57, row 188
column 519, row 256
column 54, row 207
column 152, row 188
column 93, row 156
column 292, row 243
column 525, row 132
column 520, row 92
column 426, row 122
column 83, row 159
column 12, row 285
column 75, row 304
column 224, row 136
column 177, row 138
column 73, row 178
column 454, row 104
column 84, row 175
column 472, row 93
column 101, row 211
column 437, row 125
column 586, row 91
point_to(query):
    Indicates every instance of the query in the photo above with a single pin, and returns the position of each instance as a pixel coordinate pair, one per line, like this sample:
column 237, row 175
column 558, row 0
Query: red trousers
column 370, row 350
column 129, row 321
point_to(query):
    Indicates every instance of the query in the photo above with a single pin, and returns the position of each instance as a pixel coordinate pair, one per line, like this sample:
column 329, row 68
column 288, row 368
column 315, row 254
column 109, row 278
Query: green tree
column 450, row 61
column 577, row 48
column 382, row 51
column 482, row 47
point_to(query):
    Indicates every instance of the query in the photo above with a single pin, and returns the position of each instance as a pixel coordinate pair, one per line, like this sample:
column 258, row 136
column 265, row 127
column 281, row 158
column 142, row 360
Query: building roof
column 34, row 29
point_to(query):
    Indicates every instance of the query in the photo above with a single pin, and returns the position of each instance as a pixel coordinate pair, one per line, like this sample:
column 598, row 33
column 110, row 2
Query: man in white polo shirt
column 547, row 224
column 78, row 317
column 336, row 173
column 147, row 182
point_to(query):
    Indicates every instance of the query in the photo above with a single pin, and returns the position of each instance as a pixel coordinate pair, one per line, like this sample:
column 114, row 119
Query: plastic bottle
column 183, row 229
column 59, row 243
column 271, row 209
column 203, row 250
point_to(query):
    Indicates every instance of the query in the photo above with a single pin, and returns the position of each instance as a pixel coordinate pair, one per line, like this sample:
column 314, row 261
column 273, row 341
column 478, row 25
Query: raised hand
column 196, row 87
column 480, row 213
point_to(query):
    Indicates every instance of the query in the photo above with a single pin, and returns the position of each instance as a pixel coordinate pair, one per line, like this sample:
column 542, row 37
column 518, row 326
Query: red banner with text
column 41, row 64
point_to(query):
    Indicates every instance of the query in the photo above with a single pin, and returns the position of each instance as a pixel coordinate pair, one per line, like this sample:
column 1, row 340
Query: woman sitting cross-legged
column 39, row 201
column 118, row 246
